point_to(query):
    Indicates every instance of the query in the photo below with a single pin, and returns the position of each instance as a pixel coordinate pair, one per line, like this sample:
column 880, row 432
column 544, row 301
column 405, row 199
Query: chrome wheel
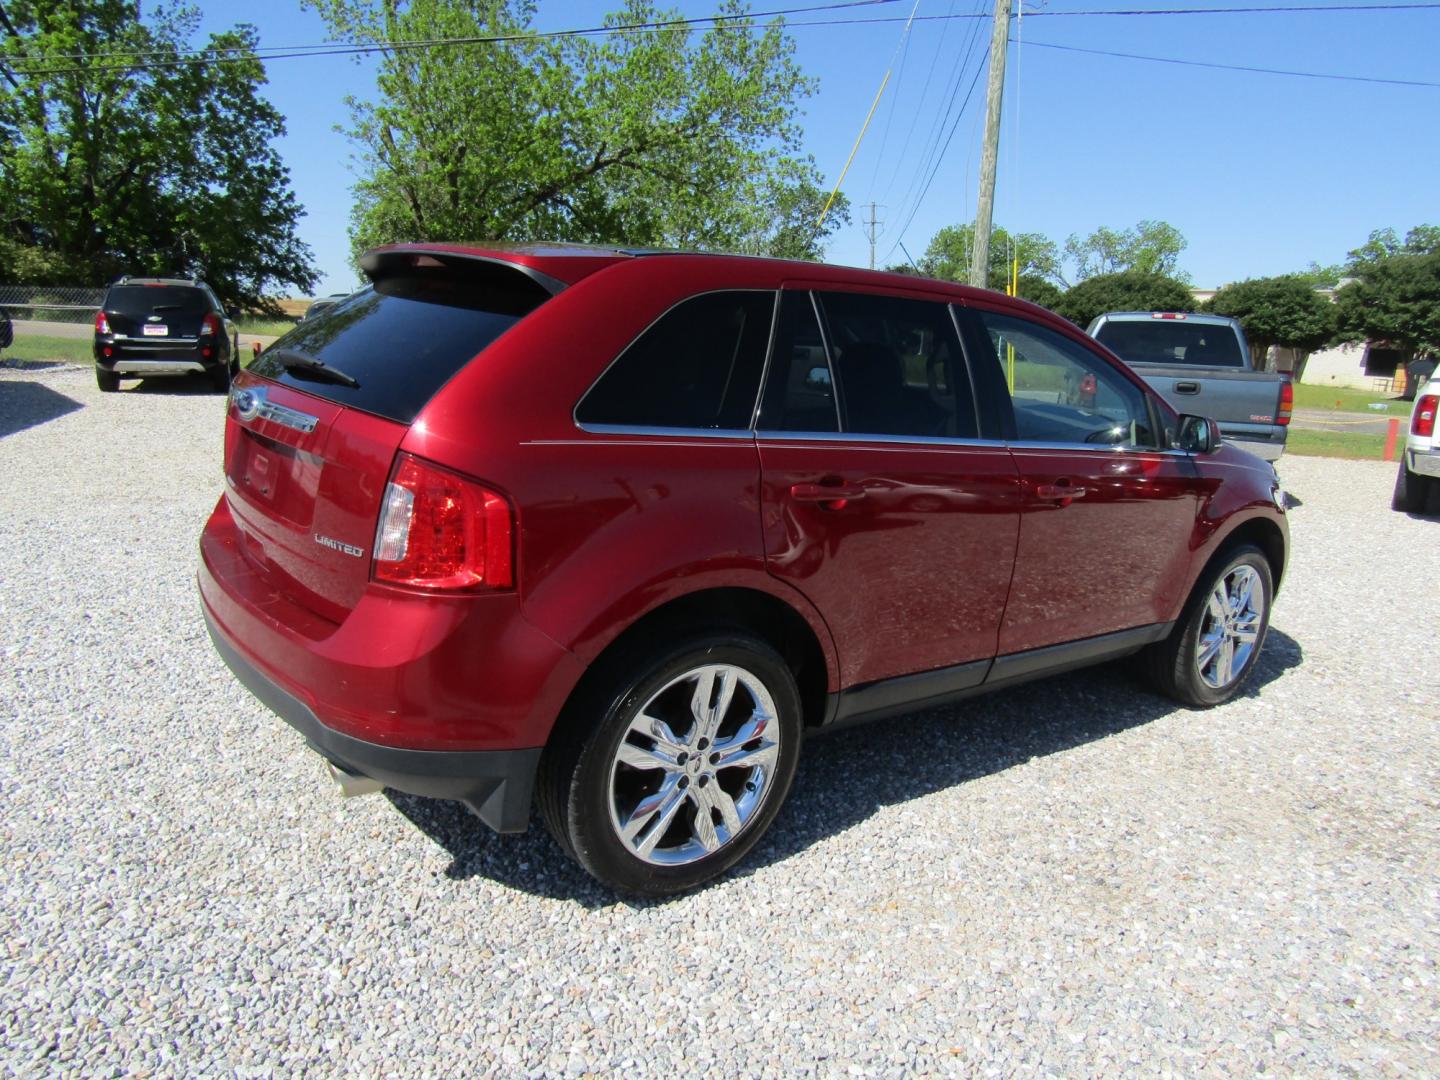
column 695, row 765
column 1234, row 615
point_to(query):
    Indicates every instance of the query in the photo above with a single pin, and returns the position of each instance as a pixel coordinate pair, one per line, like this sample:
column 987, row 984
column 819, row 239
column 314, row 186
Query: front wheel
column 670, row 775
column 1212, row 650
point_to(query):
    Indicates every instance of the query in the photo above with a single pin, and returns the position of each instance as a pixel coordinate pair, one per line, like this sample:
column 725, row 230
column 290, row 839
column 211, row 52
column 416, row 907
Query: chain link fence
column 51, row 303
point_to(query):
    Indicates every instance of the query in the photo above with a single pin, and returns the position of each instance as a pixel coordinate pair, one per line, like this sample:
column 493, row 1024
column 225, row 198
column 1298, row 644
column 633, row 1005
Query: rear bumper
column 140, row 358
column 1423, row 462
column 1264, row 449
column 495, row 784
column 148, row 368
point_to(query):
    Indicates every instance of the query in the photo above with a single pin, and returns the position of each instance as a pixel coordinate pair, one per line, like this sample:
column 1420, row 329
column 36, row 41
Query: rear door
column 1109, row 513
column 309, row 451
column 157, row 317
column 884, row 500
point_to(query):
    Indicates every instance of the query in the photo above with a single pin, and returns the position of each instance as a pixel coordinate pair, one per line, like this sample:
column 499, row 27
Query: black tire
column 580, row 781
column 220, row 378
column 1415, row 494
column 1173, row 666
column 107, row 381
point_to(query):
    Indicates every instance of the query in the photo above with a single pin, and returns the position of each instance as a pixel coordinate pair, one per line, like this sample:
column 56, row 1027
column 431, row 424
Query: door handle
column 1061, row 492
column 1187, row 387
column 832, row 496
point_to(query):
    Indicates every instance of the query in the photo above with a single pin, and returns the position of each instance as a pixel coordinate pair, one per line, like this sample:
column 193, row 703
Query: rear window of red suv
column 404, row 337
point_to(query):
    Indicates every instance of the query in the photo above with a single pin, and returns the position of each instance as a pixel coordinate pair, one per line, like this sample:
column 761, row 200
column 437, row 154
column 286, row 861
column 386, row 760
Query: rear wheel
column 670, row 775
column 1412, row 491
column 1212, row 651
column 107, row 381
column 220, row 378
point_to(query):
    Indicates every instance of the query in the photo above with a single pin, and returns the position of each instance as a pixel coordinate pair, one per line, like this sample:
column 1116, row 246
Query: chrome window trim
column 774, row 306
column 675, row 432
column 924, row 441
column 1036, row 444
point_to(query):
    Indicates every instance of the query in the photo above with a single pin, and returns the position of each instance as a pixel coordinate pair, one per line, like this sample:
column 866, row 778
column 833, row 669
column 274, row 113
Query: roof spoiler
column 389, row 259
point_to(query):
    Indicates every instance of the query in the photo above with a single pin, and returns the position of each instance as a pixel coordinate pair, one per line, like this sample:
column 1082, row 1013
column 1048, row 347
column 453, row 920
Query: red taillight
column 1423, row 423
column 438, row 530
column 102, row 324
column 211, row 325
column 1287, row 402
column 1166, row 315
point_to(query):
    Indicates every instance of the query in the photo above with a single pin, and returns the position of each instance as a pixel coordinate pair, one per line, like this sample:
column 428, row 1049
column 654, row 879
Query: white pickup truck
column 1417, row 485
column 1200, row 364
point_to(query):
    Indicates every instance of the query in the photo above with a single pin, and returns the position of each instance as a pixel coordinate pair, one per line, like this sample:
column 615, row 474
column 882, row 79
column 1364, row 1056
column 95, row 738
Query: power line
column 1233, row 67
column 246, row 54
column 942, row 117
column 182, row 57
column 919, row 106
column 939, row 159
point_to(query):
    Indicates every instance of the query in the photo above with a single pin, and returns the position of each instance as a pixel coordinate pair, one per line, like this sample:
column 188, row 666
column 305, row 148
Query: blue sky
column 1261, row 173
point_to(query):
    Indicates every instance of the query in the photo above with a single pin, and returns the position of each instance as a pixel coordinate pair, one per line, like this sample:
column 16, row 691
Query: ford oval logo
column 248, row 403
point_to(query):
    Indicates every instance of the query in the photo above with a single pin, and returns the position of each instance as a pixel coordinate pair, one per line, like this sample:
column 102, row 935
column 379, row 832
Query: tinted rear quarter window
column 698, row 366
column 1172, row 341
column 404, row 337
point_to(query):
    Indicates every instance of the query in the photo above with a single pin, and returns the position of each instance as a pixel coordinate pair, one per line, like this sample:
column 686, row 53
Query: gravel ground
column 1072, row 878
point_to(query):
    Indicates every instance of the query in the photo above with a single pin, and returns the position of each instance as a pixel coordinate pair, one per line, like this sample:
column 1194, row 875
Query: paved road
column 82, row 331
column 1374, row 423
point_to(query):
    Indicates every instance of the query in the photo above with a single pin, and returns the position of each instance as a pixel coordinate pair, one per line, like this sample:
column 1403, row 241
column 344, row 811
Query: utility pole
column 872, row 234
column 984, row 215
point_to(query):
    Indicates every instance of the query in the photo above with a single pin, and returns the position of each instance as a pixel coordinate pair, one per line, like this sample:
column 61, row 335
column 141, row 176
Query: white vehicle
column 1417, row 486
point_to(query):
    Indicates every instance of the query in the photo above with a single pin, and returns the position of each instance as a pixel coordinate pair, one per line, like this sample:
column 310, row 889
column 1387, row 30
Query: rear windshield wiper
column 297, row 361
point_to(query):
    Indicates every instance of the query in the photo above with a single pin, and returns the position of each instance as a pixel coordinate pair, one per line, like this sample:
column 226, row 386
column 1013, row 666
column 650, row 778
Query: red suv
column 615, row 529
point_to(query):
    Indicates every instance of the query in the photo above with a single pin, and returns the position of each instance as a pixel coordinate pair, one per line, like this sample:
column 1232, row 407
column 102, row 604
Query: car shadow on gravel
column 847, row 776
column 174, row 385
column 30, row 404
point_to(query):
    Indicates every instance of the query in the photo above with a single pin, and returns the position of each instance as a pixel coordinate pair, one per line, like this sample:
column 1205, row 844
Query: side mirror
column 1197, row 435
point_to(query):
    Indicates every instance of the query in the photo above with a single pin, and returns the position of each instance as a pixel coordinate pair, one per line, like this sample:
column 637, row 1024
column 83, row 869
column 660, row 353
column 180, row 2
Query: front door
column 1109, row 513
column 881, row 503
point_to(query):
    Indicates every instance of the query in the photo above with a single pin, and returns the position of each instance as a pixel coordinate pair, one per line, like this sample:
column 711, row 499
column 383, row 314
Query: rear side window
column 1171, row 341
column 402, row 339
column 697, row 367
column 900, row 366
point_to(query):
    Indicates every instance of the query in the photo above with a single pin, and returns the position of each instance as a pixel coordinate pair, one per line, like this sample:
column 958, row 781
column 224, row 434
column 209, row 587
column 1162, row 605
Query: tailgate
column 304, row 477
column 1232, row 398
column 316, row 420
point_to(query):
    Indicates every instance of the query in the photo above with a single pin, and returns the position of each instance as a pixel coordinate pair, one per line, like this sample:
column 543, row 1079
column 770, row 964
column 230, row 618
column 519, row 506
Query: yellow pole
column 853, row 150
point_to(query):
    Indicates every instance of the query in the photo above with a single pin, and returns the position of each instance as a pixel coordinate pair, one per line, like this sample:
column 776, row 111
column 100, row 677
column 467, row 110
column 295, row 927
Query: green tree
column 1384, row 243
column 1396, row 300
column 663, row 138
column 1131, row 290
column 111, row 164
column 1284, row 311
column 948, row 256
column 1150, row 247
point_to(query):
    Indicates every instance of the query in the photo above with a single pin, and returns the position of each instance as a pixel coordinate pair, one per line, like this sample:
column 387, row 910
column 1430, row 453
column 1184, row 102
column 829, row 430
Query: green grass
column 1341, row 399
column 1339, row 444
column 31, row 349
column 258, row 324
